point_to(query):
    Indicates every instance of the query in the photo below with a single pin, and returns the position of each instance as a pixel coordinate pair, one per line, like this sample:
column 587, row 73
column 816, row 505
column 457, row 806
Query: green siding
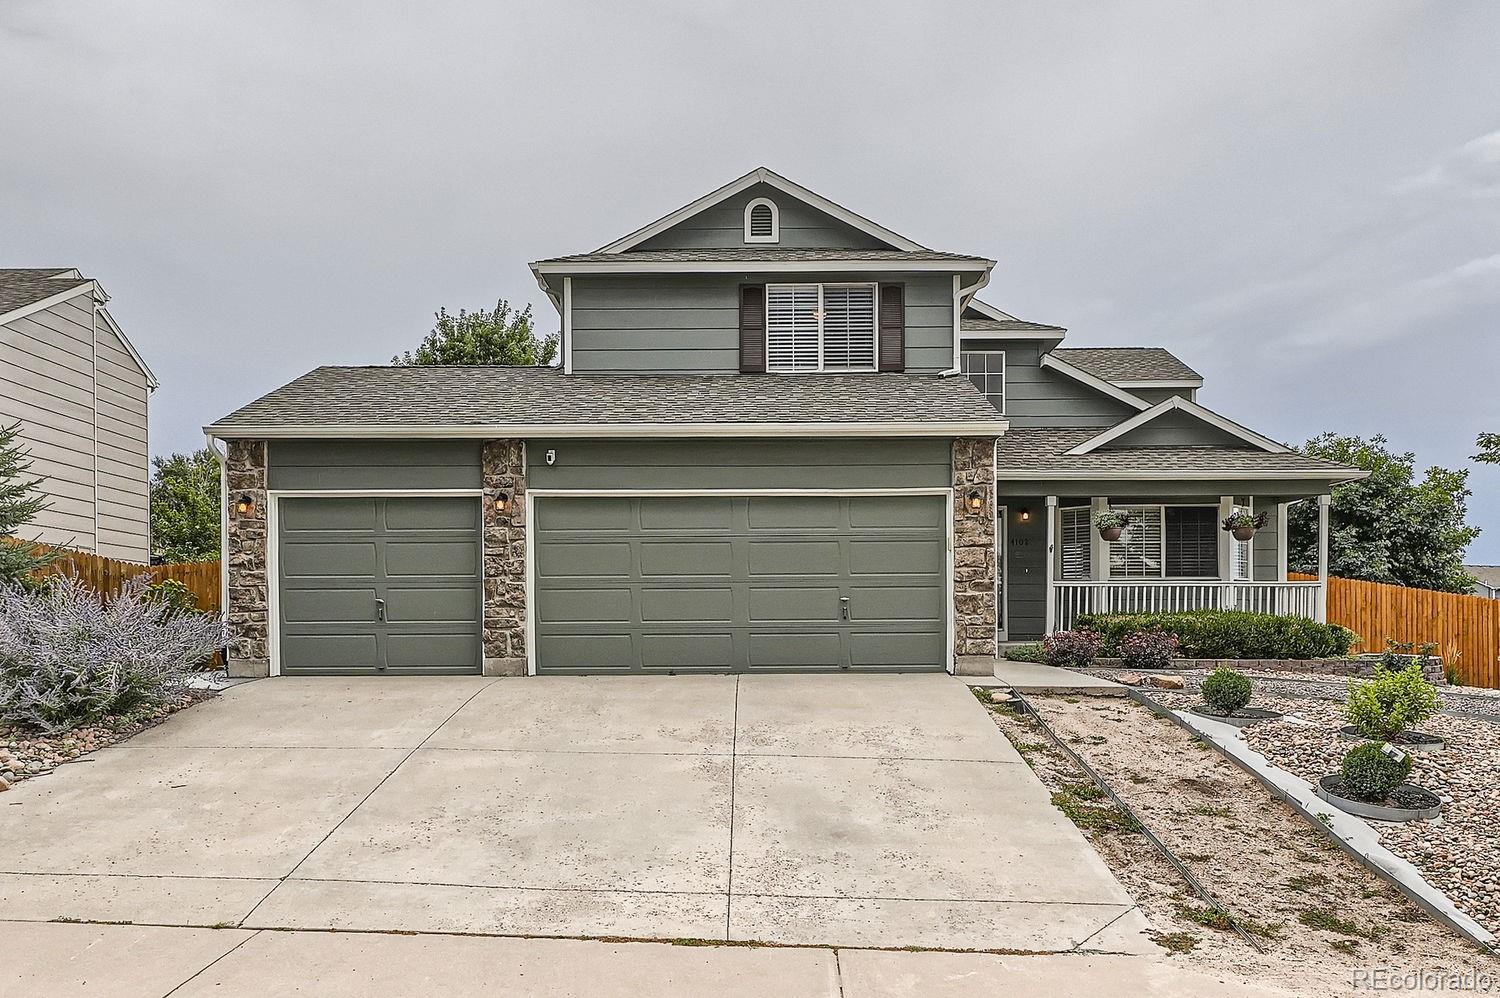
column 723, row 226
column 678, row 323
column 734, row 584
column 373, row 464
column 1038, row 396
column 740, row 464
column 336, row 557
column 1178, row 429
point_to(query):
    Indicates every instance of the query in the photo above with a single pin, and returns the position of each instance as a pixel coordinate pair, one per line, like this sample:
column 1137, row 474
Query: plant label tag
column 1393, row 752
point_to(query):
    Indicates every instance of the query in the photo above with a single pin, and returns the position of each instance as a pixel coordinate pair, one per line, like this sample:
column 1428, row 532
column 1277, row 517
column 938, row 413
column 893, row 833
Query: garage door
column 733, row 584
column 379, row 585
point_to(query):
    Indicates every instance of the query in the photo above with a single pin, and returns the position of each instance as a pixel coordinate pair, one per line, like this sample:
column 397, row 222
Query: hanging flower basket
column 1243, row 525
column 1112, row 523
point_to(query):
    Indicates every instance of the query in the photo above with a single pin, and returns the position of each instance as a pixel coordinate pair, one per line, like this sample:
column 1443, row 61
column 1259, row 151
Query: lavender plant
column 68, row 657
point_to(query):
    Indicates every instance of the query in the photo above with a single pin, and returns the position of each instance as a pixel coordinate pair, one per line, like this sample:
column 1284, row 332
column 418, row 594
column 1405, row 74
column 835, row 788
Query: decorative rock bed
column 1406, row 803
column 1408, row 741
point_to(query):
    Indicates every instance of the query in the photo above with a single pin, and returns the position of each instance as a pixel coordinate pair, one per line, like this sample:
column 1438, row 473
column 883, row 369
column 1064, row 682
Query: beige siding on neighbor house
column 82, row 401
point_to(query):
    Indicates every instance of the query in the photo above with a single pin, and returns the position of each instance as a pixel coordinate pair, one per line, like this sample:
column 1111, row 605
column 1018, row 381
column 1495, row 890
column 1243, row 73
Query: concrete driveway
column 832, row 811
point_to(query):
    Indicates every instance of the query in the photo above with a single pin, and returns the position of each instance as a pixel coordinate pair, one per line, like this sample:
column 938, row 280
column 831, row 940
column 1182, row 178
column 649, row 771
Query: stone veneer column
column 974, row 557
column 245, row 607
column 505, row 558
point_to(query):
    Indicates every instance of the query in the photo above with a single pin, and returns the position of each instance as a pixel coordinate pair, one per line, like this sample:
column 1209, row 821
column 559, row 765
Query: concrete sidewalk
column 127, row 961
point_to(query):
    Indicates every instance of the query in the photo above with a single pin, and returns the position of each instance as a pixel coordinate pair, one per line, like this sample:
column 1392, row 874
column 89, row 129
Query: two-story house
column 782, row 438
column 80, row 393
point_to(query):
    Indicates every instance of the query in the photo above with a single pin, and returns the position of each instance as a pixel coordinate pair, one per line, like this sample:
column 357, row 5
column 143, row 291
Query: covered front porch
column 1055, row 565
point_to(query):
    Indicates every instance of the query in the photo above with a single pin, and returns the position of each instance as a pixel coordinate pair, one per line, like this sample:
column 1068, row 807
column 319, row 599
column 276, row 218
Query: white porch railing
column 1286, row 599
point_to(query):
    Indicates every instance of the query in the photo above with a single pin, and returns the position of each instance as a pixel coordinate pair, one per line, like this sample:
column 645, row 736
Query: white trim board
column 273, row 545
column 1207, row 474
column 129, row 347
column 947, row 493
column 407, row 431
column 1098, row 384
column 73, row 291
column 761, row 175
column 625, row 265
column 1179, row 404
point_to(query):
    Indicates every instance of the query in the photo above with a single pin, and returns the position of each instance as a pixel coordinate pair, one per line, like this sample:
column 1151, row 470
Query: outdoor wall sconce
column 502, row 503
column 975, row 501
column 245, row 505
column 1024, row 514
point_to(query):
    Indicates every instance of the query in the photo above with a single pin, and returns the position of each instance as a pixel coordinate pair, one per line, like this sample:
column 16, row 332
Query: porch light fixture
column 1024, row 514
column 975, row 501
column 245, row 505
column 502, row 503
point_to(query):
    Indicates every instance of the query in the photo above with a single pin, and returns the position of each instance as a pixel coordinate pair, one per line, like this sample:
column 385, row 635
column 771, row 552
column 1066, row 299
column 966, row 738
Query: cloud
column 1472, row 171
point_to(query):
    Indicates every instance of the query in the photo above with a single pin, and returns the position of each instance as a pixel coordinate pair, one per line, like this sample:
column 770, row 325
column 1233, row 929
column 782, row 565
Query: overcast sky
column 1302, row 200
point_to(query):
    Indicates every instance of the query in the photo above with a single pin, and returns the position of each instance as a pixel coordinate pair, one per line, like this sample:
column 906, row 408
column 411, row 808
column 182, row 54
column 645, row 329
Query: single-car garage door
column 733, row 584
column 379, row 585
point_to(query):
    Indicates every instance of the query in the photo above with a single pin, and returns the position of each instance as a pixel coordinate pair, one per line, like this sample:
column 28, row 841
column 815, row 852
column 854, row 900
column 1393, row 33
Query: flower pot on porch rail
column 1111, row 533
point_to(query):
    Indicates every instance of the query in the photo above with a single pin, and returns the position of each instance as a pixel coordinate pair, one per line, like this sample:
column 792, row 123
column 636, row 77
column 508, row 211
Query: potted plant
column 1226, row 698
column 1243, row 524
column 1372, row 784
column 1112, row 523
column 1389, row 706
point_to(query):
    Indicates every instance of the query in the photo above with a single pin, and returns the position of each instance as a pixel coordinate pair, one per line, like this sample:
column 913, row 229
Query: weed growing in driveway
column 1325, row 921
column 1084, row 791
column 1218, row 918
column 1175, row 942
column 1092, row 817
column 1209, row 811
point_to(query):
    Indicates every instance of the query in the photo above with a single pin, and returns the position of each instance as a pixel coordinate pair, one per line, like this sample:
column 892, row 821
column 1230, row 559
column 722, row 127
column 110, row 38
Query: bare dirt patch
column 1319, row 914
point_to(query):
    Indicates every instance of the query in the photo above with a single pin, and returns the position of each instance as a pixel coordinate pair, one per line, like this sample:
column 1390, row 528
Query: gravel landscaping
column 1459, row 852
column 1318, row 913
column 25, row 754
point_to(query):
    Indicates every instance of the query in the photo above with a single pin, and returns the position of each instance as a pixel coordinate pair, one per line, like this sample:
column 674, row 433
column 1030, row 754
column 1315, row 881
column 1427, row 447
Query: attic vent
column 761, row 223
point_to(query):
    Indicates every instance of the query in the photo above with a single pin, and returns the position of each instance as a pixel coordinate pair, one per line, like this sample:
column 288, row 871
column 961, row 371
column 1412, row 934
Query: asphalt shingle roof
column 1004, row 325
column 22, row 286
column 763, row 254
column 499, row 396
column 1128, row 363
column 1045, row 449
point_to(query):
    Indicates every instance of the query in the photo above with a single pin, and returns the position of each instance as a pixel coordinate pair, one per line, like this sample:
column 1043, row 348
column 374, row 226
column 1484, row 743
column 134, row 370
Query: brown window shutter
column 752, row 328
column 893, row 327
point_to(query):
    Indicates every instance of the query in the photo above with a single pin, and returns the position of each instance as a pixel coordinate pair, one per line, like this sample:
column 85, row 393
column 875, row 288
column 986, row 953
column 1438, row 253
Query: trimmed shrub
column 1072, row 649
column 1226, row 691
column 1369, row 774
column 1149, row 650
column 1227, row 633
column 1390, row 703
column 1030, row 652
column 68, row 657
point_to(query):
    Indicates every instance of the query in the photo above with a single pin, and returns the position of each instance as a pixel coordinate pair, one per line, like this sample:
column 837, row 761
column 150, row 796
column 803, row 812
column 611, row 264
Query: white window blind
column 1076, row 541
column 816, row 327
column 792, row 332
column 1138, row 553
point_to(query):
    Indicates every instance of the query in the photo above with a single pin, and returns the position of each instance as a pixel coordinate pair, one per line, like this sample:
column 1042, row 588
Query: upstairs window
column 820, row 327
column 762, row 222
column 986, row 368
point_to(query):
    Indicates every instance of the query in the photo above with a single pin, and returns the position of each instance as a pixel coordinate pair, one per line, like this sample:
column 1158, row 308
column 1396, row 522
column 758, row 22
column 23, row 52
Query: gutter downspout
column 961, row 295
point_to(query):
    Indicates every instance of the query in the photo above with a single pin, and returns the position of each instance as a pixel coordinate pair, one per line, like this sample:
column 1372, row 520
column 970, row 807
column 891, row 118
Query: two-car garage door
column 738, row 583
column 619, row 584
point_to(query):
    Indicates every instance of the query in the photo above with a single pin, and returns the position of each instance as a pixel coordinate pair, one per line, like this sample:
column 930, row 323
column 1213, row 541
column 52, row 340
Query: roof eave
column 625, row 265
column 1331, row 476
column 490, row 431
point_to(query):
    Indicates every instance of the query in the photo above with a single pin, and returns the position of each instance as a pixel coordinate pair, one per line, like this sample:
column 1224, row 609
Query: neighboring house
column 1487, row 580
column 81, row 392
column 782, row 438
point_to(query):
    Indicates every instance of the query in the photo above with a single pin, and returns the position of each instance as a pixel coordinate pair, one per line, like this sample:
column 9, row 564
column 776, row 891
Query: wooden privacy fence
column 1466, row 629
column 106, row 575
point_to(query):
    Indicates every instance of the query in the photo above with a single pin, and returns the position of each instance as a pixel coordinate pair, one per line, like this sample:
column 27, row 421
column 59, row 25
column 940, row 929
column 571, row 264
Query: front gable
column 1178, row 422
column 798, row 226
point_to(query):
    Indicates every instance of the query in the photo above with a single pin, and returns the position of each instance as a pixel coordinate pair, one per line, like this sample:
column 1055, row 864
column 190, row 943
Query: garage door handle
column 380, row 610
column 844, row 607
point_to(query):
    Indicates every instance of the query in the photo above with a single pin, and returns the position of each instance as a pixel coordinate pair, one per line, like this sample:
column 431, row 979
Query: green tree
column 501, row 336
column 185, row 506
column 1489, row 448
column 1389, row 527
column 20, row 502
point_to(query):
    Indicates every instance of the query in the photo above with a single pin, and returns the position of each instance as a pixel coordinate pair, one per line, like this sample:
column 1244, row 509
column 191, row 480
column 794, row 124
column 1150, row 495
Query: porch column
column 1098, row 558
column 1324, row 501
column 1051, row 575
column 1226, row 556
column 1282, row 526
